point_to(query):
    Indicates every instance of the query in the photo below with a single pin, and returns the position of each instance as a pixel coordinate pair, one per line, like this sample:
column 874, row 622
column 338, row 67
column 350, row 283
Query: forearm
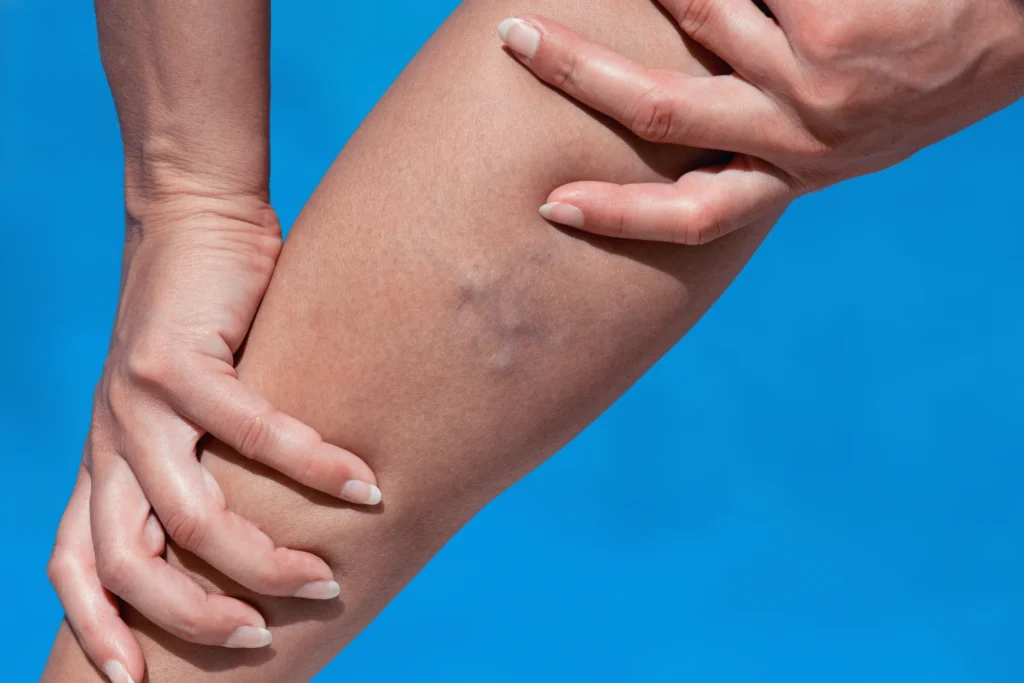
column 191, row 84
column 424, row 316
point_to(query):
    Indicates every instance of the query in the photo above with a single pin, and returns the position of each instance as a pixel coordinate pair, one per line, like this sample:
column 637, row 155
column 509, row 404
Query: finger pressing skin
column 130, row 565
column 91, row 610
column 738, row 32
column 238, row 416
column 702, row 206
column 721, row 112
column 191, row 507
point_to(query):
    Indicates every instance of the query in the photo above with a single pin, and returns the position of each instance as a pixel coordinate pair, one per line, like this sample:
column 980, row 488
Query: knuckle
column 113, row 568
column 696, row 224
column 308, row 466
column 254, row 433
column 188, row 528
column 832, row 38
column 268, row 577
column 58, row 566
column 90, row 631
column 565, row 75
column 655, row 116
column 121, row 402
column 150, row 361
column 824, row 107
column 694, row 16
column 618, row 222
column 190, row 623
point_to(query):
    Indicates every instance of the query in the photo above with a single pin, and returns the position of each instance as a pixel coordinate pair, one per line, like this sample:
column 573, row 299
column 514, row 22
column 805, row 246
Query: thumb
column 700, row 207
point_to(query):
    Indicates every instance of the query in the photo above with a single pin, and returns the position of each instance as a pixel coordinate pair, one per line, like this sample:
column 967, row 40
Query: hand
column 195, row 272
column 830, row 91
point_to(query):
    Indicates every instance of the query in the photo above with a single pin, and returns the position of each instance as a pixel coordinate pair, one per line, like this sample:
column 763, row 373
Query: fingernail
column 116, row 673
column 249, row 637
column 565, row 214
column 356, row 491
column 319, row 590
column 520, row 37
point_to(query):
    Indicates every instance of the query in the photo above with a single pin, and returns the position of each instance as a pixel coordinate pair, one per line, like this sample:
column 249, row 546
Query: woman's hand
column 196, row 268
column 827, row 92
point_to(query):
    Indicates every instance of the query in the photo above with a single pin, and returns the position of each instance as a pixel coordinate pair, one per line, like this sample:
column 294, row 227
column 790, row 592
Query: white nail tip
column 374, row 496
column 360, row 492
column 525, row 41
column 319, row 590
column 562, row 213
column 249, row 637
column 116, row 672
column 504, row 27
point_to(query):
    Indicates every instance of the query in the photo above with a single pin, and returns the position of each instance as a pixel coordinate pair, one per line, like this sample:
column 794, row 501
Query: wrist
column 174, row 186
column 168, row 167
column 185, row 209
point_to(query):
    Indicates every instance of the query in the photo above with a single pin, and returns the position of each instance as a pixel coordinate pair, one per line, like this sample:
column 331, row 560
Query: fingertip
column 249, row 637
column 563, row 213
column 354, row 467
column 520, row 36
column 116, row 672
column 580, row 192
column 360, row 492
column 319, row 590
column 235, row 611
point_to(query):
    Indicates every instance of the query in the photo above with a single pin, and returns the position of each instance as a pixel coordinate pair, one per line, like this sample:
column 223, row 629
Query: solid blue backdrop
column 831, row 461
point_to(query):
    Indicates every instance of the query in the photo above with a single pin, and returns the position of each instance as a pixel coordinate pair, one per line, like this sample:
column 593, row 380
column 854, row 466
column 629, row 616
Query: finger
column 193, row 510
column 721, row 112
column 237, row 415
column 91, row 610
column 129, row 563
column 738, row 32
column 702, row 206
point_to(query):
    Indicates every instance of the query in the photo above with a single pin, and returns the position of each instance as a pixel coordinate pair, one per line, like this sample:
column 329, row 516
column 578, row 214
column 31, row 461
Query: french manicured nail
column 520, row 37
column 319, row 590
column 249, row 637
column 562, row 213
column 356, row 491
column 116, row 673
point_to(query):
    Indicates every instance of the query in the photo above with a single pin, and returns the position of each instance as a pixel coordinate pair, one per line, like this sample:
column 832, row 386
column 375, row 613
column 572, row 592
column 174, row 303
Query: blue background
column 832, row 459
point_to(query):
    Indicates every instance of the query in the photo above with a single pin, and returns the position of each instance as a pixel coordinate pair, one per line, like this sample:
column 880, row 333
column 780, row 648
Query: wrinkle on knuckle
column 618, row 222
column 308, row 466
column 254, row 434
column 695, row 15
column 187, row 528
column 689, row 223
column 565, row 75
column 654, row 115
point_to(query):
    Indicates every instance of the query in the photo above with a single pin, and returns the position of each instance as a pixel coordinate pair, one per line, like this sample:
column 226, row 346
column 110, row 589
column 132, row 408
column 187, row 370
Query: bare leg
column 426, row 317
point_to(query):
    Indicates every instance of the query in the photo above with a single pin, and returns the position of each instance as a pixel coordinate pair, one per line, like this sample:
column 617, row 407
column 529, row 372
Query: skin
column 423, row 315
column 822, row 91
column 191, row 85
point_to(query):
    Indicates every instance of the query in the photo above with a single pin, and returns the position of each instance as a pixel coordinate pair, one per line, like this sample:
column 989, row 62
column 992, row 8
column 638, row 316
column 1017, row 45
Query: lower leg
column 426, row 317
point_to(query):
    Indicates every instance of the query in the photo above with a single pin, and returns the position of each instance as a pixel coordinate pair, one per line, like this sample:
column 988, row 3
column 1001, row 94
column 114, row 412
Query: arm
column 191, row 87
column 464, row 341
